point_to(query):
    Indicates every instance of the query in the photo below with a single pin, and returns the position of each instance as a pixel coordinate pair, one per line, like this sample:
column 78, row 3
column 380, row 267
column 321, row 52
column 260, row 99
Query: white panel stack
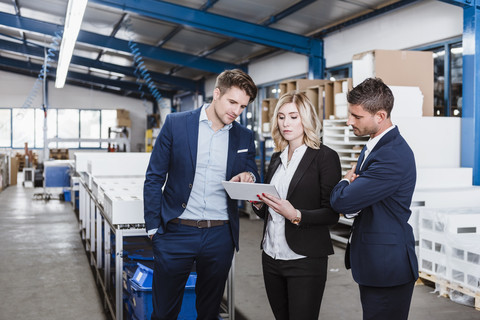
column 124, row 206
column 339, row 136
column 116, row 181
column 408, row 101
column 449, row 245
column 119, row 164
column 435, row 141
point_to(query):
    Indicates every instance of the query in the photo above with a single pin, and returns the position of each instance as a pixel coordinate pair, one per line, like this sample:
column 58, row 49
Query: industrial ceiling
column 178, row 42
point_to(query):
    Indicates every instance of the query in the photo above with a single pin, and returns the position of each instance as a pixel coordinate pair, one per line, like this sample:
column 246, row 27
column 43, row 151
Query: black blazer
column 309, row 191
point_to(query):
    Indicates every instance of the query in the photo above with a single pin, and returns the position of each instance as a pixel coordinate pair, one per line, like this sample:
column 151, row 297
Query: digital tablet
column 248, row 191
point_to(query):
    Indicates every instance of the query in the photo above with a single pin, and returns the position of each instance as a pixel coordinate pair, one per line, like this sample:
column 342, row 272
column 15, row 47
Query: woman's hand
column 257, row 204
column 280, row 206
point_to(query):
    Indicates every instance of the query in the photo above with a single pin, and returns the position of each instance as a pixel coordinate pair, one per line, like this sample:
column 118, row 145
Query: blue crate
column 141, row 301
column 143, row 277
column 57, row 176
column 140, row 295
column 67, row 195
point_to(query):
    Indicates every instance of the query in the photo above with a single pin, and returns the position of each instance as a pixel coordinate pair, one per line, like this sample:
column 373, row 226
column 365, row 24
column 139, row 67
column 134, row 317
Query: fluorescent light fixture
column 73, row 20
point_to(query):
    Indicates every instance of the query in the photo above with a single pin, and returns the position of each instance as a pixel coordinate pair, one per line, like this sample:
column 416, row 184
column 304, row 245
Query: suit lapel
column 360, row 160
column 274, row 163
column 302, row 168
column 233, row 140
column 192, row 124
column 388, row 137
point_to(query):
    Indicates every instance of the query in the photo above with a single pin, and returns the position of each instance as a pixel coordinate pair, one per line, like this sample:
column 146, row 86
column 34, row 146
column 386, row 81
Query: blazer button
column 190, row 186
column 184, row 205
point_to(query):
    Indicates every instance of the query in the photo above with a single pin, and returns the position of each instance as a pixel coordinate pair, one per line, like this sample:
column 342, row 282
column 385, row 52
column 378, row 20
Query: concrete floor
column 341, row 300
column 45, row 273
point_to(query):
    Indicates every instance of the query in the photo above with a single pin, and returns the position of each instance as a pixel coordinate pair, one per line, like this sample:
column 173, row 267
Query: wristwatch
column 297, row 219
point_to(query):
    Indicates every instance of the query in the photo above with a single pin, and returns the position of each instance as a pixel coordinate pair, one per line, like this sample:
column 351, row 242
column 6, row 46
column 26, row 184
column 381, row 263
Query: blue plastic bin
column 141, row 301
column 67, row 195
column 143, row 277
column 140, row 295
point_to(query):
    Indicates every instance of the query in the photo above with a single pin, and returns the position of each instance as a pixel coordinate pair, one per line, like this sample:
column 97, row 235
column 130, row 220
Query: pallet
column 424, row 278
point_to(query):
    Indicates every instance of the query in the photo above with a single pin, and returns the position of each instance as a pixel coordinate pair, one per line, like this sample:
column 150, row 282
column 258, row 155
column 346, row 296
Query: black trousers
column 392, row 303
column 295, row 287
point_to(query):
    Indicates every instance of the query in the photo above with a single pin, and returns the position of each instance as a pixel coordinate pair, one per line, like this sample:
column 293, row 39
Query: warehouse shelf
column 105, row 222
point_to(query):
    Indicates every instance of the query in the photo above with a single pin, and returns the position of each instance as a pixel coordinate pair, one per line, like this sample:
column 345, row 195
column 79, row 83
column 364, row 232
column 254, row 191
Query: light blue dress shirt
column 208, row 199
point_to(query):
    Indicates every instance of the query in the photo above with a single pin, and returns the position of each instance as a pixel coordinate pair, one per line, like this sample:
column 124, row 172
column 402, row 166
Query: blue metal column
column 470, row 156
column 316, row 60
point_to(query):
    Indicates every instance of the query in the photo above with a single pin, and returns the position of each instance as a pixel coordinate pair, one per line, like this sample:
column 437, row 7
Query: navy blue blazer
column 175, row 156
column 382, row 248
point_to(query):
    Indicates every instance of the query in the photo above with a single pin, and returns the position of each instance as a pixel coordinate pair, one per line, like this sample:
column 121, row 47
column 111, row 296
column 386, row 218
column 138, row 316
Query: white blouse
column 274, row 242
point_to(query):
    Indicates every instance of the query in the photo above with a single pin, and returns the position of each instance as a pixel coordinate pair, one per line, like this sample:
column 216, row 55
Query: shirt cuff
column 152, row 231
column 352, row 215
column 345, row 180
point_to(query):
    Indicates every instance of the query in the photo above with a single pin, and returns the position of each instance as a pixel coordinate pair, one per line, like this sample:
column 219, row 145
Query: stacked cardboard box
column 299, row 84
column 59, row 154
column 321, row 96
column 398, row 68
column 340, row 90
column 268, row 107
column 123, row 118
column 13, row 170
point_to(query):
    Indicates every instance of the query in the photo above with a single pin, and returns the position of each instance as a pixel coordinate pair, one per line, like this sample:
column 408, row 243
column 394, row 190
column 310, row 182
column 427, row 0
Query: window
column 456, row 57
column 68, row 127
column 89, row 127
column 448, row 77
column 23, row 127
column 5, row 127
column 51, row 126
column 109, row 119
column 339, row 72
column 439, row 82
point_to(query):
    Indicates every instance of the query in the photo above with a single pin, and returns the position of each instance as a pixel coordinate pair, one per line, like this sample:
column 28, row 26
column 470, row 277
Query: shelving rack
column 340, row 137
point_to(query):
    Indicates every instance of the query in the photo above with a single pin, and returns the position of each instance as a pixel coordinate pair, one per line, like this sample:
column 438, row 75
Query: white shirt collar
column 373, row 141
column 284, row 154
column 204, row 117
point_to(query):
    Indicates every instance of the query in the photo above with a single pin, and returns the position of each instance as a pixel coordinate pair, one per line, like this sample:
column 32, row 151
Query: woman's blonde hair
column 308, row 115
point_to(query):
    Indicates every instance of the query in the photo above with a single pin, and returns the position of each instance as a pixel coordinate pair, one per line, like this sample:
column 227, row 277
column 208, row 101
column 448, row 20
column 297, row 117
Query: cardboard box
column 121, row 122
column 342, row 85
column 268, row 107
column 299, row 84
column 321, row 97
column 398, row 68
column 123, row 114
column 13, row 170
column 340, row 90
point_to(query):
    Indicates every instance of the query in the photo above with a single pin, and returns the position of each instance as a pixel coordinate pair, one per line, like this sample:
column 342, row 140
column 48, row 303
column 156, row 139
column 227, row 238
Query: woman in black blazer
column 296, row 239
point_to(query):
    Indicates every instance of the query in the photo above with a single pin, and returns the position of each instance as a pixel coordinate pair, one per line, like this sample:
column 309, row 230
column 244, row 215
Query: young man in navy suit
column 378, row 193
column 188, row 215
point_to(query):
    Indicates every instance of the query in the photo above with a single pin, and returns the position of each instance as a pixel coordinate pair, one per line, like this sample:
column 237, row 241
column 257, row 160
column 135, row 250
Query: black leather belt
column 200, row 223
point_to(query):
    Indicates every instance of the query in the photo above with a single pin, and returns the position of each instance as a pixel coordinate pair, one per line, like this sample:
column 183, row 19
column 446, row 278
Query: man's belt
column 200, row 223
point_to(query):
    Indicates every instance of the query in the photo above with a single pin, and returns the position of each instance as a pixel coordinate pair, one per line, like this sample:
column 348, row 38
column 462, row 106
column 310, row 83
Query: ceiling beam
column 112, row 43
column 461, row 3
column 215, row 23
column 287, row 11
column 38, row 51
column 86, row 78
